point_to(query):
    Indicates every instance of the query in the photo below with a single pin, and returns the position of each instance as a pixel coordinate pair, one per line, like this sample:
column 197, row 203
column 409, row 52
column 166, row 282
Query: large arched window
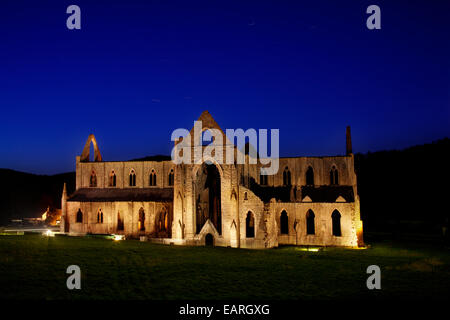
column 336, row 219
column 286, row 177
column 171, row 177
column 132, row 178
column 310, row 177
column 93, row 180
column 99, row 216
column 152, row 180
column 284, row 223
column 250, row 225
column 79, row 216
column 112, row 179
column 310, row 227
column 334, row 177
column 141, row 223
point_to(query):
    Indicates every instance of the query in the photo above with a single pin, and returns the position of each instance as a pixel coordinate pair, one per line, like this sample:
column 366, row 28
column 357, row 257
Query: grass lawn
column 34, row 267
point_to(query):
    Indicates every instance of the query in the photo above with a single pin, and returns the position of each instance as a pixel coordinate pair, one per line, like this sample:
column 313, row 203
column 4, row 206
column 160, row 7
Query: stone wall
column 122, row 170
column 129, row 212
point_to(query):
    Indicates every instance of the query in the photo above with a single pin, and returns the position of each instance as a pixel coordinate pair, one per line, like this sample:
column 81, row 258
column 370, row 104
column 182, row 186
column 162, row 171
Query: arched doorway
column 284, row 223
column 250, row 226
column 310, row 226
column 209, row 240
column 208, row 197
column 141, row 222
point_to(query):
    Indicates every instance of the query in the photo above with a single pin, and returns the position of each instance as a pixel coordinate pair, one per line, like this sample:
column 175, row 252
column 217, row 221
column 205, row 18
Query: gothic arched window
column 141, row 220
column 310, row 227
column 171, row 177
column 284, row 223
column 79, row 216
column 250, row 225
column 132, row 178
column 99, row 216
column 152, row 180
column 336, row 219
column 112, row 179
column 334, row 176
column 286, row 177
column 93, row 180
column 310, row 177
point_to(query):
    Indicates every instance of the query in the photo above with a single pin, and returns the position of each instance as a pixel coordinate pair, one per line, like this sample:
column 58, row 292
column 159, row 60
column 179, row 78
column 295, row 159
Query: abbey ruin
column 310, row 201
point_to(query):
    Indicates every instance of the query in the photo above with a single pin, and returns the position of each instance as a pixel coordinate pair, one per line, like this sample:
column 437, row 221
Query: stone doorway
column 209, row 240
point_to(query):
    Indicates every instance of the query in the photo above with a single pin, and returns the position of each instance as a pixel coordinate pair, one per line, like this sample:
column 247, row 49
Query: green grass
column 34, row 267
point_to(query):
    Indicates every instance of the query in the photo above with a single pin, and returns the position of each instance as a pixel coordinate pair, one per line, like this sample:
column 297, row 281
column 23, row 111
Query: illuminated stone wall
column 128, row 211
column 237, row 196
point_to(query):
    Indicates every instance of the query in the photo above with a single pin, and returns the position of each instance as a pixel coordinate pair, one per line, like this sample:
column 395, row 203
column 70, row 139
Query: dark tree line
column 405, row 189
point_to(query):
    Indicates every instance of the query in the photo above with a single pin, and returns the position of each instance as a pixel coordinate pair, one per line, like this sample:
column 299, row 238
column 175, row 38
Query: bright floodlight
column 48, row 233
column 118, row 237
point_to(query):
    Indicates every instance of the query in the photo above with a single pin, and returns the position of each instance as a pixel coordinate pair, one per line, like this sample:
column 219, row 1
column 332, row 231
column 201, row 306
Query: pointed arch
column 152, row 178
column 284, row 222
column 206, row 160
column 250, row 225
column 99, row 216
column 79, row 216
column 336, row 223
column 86, row 151
column 286, row 177
column 171, row 177
column 112, row 179
column 209, row 240
column 233, row 235
column 179, row 207
column 310, row 225
column 233, row 195
column 132, row 181
column 93, row 180
column 334, row 176
column 310, row 176
column 141, row 222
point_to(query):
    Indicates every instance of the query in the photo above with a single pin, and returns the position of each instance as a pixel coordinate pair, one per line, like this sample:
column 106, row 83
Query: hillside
column 24, row 195
column 407, row 185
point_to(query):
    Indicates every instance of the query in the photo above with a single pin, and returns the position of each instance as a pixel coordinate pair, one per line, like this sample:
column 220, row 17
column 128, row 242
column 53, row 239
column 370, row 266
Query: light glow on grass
column 118, row 237
column 48, row 233
column 312, row 249
column 360, row 248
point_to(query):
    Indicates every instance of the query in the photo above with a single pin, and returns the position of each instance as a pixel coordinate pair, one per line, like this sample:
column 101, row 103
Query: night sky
column 137, row 70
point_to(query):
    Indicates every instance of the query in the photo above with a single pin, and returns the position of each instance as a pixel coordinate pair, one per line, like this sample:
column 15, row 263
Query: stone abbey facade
column 310, row 201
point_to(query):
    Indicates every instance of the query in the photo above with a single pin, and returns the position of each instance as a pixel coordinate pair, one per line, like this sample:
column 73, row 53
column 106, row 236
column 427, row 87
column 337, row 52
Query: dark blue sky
column 139, row 69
